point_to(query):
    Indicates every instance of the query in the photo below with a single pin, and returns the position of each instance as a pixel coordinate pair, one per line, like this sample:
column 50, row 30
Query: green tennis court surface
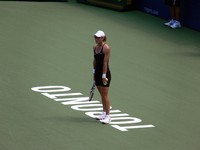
column 155, row 79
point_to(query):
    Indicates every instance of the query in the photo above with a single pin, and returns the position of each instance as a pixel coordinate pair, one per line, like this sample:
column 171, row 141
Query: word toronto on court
column 119, row 120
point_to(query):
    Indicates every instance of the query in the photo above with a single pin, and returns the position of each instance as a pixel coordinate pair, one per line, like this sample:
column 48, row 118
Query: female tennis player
column 102, row 75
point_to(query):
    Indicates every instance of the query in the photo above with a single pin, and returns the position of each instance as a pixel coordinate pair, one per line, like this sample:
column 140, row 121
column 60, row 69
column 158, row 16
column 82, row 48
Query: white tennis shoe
column 176, row 25
column 106, row 120
column 171, row 22
column 101, row 116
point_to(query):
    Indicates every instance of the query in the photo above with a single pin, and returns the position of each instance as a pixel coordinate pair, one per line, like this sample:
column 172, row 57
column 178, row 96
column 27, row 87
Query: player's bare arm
column 106, row 51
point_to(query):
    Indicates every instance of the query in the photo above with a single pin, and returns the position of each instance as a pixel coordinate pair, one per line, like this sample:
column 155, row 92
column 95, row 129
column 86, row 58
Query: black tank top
column 99, row 57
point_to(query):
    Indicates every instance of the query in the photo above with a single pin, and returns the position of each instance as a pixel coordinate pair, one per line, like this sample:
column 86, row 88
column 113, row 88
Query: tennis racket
column 92, row 92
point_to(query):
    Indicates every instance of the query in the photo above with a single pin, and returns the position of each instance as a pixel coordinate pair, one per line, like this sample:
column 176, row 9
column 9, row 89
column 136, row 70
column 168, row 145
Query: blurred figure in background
column 175, row 13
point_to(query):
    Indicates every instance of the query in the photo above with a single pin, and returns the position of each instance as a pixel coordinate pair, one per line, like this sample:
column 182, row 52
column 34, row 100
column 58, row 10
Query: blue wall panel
column 191, row 14
column 154, row 7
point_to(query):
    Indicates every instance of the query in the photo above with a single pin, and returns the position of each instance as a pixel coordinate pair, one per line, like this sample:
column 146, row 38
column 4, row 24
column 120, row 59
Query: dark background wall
column 190, row 9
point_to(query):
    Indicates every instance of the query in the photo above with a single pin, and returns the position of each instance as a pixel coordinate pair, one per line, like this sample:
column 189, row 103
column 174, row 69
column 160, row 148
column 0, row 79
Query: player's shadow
column 73, row 119
column 188, row 54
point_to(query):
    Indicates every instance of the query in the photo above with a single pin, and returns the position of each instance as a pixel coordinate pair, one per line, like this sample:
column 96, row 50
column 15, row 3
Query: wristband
column 103, row 75
column 93, row 71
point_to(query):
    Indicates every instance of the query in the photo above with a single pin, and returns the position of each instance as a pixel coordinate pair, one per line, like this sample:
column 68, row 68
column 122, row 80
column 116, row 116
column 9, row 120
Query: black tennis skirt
column 99, row 81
